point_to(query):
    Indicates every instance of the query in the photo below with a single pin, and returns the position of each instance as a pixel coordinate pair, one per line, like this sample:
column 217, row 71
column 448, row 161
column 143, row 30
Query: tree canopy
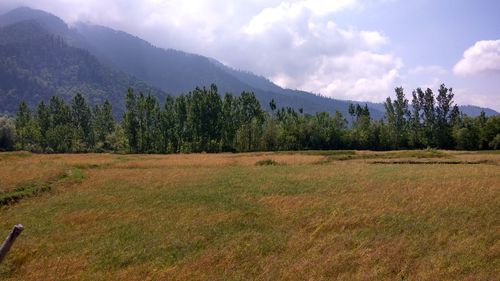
column 204, row 121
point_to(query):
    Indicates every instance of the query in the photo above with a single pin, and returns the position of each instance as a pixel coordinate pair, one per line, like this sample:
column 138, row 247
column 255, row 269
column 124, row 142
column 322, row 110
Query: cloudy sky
column 346, row 49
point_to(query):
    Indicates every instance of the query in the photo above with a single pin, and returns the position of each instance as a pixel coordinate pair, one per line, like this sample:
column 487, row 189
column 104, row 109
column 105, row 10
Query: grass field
column 328, row 215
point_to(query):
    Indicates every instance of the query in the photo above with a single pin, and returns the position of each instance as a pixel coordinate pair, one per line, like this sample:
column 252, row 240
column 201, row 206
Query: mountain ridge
column 174, row 71
column 36, row 64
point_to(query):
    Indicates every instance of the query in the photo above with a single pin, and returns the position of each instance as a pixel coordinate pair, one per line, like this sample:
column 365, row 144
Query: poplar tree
column 130, row 121
column 82, row 123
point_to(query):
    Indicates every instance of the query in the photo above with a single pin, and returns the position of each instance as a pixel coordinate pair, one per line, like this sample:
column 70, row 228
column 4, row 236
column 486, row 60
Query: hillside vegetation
column 35, row 65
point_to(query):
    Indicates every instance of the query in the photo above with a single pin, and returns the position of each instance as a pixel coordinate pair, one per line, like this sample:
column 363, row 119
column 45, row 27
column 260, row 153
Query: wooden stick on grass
column 4, row 249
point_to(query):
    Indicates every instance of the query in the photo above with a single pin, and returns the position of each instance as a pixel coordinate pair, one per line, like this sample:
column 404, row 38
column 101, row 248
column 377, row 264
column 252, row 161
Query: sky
column 345, row 49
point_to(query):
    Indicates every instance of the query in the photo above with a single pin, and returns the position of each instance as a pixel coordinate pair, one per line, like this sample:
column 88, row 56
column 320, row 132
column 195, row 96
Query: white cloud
column 483, row 57
column 362, row 76
column 287, row 11
column 297, row 48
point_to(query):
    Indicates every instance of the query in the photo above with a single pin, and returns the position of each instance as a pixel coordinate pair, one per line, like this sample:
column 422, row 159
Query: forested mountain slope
column 41, row 56
column 36, row 64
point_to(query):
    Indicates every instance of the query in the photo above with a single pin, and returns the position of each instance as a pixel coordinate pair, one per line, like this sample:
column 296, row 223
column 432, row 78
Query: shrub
column 266, row 162
column 7, row 133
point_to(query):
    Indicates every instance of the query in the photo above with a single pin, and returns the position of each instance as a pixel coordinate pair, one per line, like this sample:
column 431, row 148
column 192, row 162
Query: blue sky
column 436, row 33
column 426, row 32
column 346, row 49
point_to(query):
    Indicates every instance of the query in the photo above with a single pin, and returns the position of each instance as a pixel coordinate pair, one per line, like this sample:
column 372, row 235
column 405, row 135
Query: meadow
column 319, row 215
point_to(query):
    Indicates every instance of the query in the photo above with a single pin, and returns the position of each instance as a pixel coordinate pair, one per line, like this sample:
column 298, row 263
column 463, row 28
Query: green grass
column 266, row 162
column 36, row 188
column 18, row 193
column 75, row 173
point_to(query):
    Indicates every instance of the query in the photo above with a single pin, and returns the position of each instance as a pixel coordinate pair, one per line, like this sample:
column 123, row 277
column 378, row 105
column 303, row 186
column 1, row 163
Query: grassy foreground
column 344, row 215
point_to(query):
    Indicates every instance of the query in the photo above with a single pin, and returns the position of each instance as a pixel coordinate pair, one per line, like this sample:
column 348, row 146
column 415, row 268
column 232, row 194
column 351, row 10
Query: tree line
column 204, row 121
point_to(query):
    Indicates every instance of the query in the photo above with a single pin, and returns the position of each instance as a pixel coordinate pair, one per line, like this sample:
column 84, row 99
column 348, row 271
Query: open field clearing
column 327, row 215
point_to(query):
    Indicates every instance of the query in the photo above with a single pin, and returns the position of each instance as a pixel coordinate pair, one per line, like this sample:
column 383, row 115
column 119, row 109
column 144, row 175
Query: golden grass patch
column 221, row 217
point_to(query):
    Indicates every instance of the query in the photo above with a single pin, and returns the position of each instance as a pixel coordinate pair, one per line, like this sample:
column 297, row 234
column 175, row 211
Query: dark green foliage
column 28, row 132
column 7, row 133
column 103, row 125
column 398, row 118
column 82, row 123
column 490, row 132
column 200, row 121
column 205, row 119
column 229, row 116
column 167, row 127
column 131, row 121
column 60, row 127
column 466, row 134
column 444, row 118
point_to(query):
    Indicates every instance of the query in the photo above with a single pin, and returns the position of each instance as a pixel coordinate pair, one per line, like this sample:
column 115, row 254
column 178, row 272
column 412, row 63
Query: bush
column 495, row 143
column 7, row 133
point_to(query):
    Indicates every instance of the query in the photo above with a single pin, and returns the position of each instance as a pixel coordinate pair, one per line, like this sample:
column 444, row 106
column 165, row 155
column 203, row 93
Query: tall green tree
column 82, row 123
column 103, row 123
column 28, row 132
column 168, row 126
column 59, row 136
column 183, row 132
column 202, row 121
column 230, row 121
column 415, row 124
column 397, row 115
column 251, row 119
column 44, row 123
column 444, row 118
column 130, row 121
column 428, row 117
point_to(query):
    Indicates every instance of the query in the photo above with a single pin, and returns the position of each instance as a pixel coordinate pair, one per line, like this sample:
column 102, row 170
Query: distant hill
column 473, row 110
column 102, row 62
column 470, row 110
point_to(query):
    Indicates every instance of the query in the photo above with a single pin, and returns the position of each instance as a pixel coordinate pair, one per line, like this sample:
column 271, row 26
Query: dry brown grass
column 221, row 217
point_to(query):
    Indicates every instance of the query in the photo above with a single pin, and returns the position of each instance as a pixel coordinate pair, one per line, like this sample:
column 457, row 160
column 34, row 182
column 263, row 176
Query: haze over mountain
column 37, row 62
column 41, row 56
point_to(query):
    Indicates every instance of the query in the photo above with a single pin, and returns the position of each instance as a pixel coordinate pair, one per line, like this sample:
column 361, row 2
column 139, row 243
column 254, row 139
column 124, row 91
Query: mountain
column 178, row 72
column 36, row 64
column 48, row 21
column 102, row 62
column 473, row 110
